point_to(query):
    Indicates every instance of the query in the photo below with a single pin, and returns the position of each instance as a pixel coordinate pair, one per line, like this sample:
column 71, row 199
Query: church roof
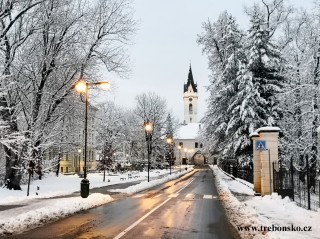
column 190, row 82
column 188, row 131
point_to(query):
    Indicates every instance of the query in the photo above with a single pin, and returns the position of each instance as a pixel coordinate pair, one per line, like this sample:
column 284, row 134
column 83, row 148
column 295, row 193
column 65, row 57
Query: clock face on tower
column 190, row 99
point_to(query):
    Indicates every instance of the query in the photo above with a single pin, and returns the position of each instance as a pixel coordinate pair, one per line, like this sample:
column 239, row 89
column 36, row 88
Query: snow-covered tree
column 71, row 40
column 247, row 77
column 151, row 107
column 16, row 18
column 169, row 154
column 227, row 54
column 301, row 101
column 110, row 135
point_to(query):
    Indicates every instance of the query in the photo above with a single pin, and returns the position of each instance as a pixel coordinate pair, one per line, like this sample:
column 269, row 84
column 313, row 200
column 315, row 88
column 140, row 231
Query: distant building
column 191, row 147
column 69, row 146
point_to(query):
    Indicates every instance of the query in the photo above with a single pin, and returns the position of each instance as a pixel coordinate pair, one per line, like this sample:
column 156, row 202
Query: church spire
column 190, row 82
column 190, row 99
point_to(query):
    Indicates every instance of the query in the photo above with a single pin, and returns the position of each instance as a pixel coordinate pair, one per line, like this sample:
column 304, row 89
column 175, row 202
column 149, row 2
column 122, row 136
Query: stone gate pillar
column 256, row 164
column 268, row 138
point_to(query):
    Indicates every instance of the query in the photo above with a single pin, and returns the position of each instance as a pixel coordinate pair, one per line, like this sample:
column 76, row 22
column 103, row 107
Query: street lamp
column 82, row 87
column 79, row 151
column 179, row 148
column 170, row 142
column 148, row 127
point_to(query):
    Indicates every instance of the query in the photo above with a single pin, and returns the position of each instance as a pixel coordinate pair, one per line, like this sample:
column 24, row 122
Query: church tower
column 190, row 99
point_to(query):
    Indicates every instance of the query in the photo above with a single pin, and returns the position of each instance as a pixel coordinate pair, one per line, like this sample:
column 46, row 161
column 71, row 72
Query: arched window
column 190, row 109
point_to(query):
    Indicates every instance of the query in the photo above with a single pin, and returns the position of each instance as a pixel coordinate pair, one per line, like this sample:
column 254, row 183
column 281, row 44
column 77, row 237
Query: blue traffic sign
column 260, row 145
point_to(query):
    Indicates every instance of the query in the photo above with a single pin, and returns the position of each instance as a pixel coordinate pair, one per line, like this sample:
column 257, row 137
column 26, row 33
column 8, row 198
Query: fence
column 243, row 172
column 300, row 183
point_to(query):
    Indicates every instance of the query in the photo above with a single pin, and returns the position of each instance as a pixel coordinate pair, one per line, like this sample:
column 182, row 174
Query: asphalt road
column 185, row 208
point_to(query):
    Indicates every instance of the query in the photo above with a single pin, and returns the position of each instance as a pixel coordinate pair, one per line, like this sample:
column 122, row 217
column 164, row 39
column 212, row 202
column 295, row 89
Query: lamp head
column 148, row 127
column 81, row 86
column 103, row 85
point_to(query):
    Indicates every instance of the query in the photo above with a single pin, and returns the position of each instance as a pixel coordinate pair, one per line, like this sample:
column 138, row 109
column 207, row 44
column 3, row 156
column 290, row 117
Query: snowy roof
column 268, row 128
column 188, row 131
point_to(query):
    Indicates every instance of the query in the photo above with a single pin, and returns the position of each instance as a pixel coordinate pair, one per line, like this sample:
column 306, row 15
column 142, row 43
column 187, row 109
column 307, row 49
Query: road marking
column 173, row 195
column 138, row 195
column 207, row 196
column 140, row 220
column 121, row 234
column 190, row 195
column 158, row 196
column 185, row 186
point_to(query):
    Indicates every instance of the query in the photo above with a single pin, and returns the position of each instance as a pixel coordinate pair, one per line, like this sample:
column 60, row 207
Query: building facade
column 69, row 146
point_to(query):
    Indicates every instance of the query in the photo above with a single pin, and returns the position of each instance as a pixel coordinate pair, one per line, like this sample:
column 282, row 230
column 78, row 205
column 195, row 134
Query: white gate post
column 269, row 155
column 256, row 164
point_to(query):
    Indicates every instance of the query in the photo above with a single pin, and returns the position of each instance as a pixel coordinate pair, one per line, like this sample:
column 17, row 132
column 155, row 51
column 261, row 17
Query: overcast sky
column 165, row 44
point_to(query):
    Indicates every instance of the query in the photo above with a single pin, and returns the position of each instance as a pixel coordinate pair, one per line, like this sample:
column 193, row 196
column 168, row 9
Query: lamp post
column 148, row 127
column 170, row 142
column 82, row 87
column 79, row 151
column 179, row 148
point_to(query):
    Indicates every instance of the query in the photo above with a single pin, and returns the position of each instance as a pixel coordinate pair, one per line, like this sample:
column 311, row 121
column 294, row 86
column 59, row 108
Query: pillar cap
column 268, row 129
column 254, row 134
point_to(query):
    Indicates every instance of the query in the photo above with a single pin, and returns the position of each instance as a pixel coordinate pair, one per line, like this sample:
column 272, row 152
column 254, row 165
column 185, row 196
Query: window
column 196, row 145
column 201, row 145
column 190, row 109
column 190, row 120
column 61, row 170
column 181, row 144
column 67, row 170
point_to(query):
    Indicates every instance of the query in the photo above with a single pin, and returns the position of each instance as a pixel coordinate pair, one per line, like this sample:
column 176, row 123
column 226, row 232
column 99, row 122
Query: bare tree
column 15, row 28
column 151, row 107
column 110, row 129
column 71, row 40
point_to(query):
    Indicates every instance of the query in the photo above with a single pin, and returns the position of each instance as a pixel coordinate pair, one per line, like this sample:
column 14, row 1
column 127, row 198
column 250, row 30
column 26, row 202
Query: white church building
column 189, row 148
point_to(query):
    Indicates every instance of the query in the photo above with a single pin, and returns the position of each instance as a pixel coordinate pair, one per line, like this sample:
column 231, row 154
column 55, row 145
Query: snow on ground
column 51, row 210
column 34, row 210
column 242, row 207
column 144, row 185
column 268, row 211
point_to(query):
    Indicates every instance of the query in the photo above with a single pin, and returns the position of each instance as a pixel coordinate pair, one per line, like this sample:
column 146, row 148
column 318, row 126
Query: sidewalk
column 268, row 217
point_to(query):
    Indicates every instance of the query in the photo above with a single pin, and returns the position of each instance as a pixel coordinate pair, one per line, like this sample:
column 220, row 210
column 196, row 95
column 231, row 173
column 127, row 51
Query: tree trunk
column 13, row 176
